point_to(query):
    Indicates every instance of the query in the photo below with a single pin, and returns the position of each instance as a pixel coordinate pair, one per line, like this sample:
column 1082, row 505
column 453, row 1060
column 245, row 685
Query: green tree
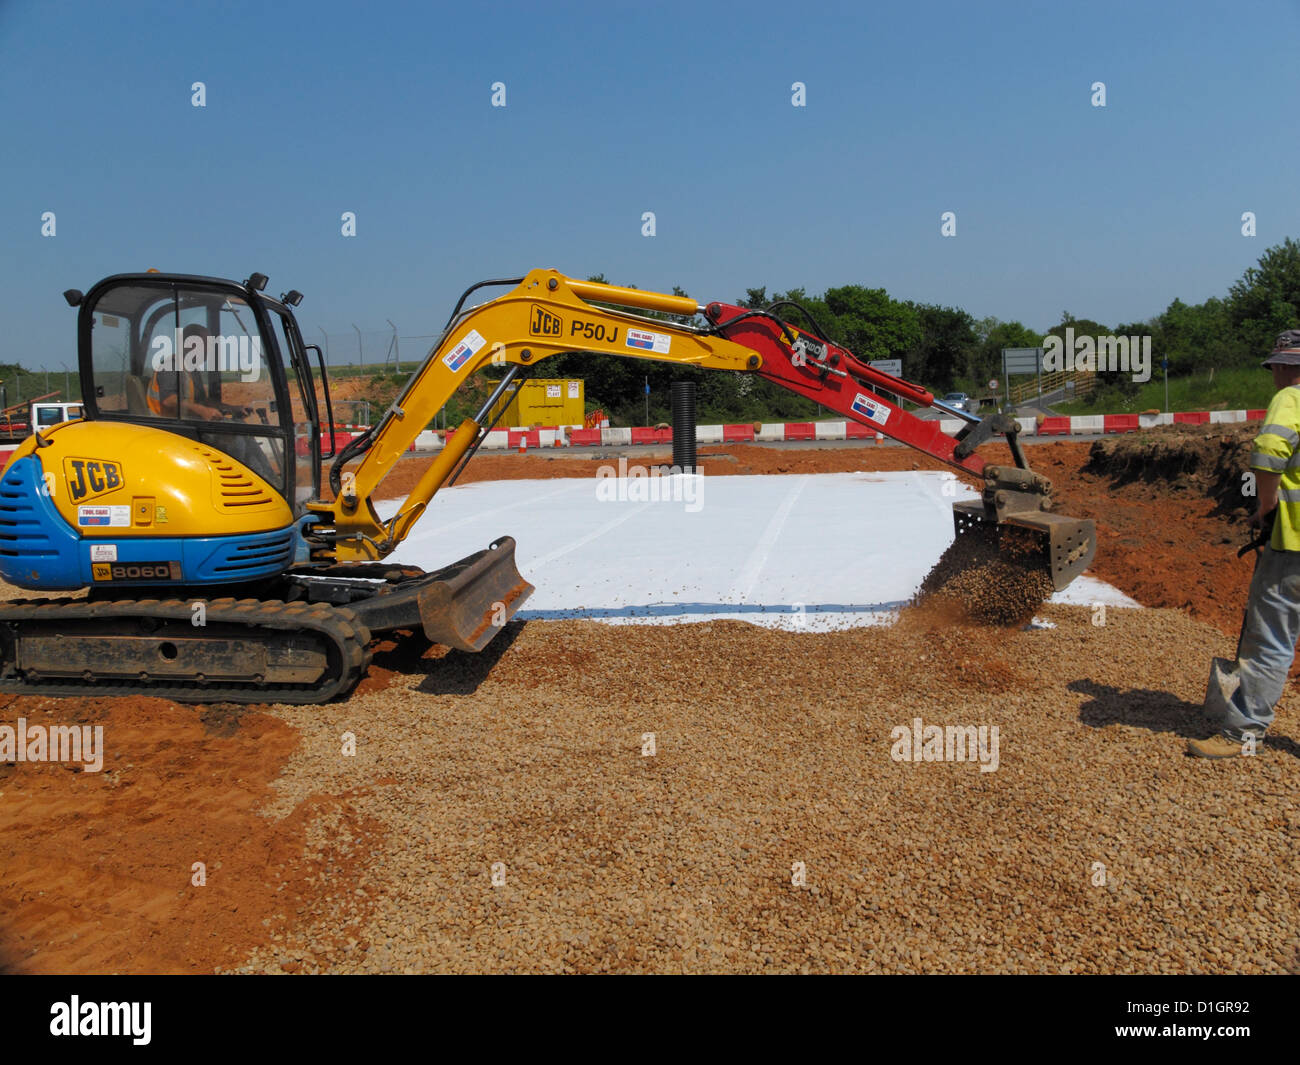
column 1266, row 300
column 1192, row 337
column 870, row 323
column 992, row 336
column 947, row 345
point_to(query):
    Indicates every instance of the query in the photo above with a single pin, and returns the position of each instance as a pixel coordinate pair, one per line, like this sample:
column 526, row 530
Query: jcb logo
column 544, row 323
column 88, row 478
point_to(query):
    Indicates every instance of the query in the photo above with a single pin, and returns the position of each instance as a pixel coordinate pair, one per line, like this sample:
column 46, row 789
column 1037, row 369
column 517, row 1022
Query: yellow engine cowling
column 118, row 480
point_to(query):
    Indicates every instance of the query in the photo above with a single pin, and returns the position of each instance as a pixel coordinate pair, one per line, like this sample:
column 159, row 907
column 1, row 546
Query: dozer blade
column 1014, row 512
column 467, row 603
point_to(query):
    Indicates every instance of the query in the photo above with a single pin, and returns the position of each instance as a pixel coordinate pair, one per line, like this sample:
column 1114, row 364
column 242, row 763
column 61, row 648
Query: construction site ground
column 585, row 797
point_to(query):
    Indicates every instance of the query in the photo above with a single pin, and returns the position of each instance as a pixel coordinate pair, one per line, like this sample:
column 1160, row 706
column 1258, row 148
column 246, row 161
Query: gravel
column 1095, row 846
column 975, row 580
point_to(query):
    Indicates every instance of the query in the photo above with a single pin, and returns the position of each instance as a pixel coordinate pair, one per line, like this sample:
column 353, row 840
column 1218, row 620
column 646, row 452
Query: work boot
column 1220, row 746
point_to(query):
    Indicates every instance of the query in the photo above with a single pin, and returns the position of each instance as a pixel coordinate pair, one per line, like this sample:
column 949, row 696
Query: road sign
column 1022, row 360
column 994, row 384
column 889, row 366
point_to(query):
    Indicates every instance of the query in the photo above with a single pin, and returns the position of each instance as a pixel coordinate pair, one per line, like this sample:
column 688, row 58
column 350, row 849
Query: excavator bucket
column 467, row 603
column 1014, row 514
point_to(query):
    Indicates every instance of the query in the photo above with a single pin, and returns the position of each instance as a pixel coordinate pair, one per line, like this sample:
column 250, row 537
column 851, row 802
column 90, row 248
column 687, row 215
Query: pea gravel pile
column 524, row 825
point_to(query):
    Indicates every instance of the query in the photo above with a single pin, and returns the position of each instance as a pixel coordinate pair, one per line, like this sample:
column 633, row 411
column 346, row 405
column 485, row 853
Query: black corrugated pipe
column 683, row 394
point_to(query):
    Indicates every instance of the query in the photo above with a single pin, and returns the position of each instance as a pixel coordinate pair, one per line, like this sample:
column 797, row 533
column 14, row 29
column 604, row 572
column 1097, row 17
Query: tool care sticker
column 877, row 412
column 648, row 341
column 113, row 516
column 88, row 478
column 464, row 351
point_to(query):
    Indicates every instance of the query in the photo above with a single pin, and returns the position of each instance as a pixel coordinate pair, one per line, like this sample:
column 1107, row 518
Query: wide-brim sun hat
column 1286, row 352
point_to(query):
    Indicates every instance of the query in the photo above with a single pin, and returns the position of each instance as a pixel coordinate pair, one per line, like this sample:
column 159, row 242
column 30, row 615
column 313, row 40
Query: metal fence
column 25, row 385
column 368, row 350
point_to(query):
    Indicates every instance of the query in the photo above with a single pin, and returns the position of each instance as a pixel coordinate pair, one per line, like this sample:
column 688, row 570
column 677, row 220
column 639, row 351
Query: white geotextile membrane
column 804, row 552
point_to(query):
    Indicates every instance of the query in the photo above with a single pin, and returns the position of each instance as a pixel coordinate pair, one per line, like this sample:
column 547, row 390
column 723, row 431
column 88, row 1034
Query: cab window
column 194, row 357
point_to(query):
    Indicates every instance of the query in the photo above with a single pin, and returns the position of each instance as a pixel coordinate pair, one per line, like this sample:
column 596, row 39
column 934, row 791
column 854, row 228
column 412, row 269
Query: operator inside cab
column 190, row 392
column 175, row 387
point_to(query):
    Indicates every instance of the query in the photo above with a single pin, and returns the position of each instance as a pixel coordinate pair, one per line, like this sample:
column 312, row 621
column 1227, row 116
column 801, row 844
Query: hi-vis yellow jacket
column 1277, row 450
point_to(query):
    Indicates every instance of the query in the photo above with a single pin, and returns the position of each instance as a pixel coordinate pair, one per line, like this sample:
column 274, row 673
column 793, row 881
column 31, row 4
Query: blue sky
column 616, row 109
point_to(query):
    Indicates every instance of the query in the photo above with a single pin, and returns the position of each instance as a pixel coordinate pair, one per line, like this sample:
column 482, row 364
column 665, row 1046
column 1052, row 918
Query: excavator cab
column 216, row 362
column 198, row 453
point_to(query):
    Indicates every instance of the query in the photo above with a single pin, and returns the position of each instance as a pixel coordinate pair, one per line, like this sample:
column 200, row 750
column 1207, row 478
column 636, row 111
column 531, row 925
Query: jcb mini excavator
column 189, row 501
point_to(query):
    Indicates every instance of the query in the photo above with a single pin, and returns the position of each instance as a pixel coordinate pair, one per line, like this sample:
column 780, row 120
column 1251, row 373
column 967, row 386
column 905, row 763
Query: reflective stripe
column 154, row 396
column 1289, row 435
column 1277, row 450
column 1260, row 461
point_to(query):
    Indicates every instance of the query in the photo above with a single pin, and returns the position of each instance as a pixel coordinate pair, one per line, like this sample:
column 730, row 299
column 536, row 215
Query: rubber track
column 349, row 637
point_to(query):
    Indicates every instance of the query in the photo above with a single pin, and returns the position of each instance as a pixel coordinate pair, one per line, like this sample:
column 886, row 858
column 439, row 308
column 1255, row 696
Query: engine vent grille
column 236, row 489
column 21, row 530
column 269, row 553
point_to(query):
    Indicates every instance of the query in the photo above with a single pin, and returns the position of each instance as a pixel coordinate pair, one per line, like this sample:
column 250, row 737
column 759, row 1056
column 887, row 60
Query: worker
column 174, row 383
column 1272, row 625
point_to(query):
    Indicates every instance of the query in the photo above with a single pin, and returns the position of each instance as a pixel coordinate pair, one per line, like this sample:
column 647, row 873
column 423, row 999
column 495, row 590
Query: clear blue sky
column 614, row 109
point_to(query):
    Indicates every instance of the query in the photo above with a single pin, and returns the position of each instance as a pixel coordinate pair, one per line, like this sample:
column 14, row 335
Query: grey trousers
column 1268, row 644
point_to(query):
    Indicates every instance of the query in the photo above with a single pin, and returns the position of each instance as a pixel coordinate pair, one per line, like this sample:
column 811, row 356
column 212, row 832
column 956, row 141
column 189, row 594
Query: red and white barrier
column 772, row 432
column 796, row 432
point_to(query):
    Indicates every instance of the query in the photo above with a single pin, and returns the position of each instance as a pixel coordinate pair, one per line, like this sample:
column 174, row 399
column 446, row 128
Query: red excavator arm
column 835, row 378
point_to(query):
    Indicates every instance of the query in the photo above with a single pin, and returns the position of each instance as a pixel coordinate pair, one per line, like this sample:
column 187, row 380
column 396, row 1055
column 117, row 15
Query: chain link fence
column 363, row 355
column 20, row 386
column 370, row 350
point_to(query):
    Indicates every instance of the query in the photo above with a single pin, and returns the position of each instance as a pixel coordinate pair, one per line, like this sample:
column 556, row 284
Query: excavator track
column 192, row 651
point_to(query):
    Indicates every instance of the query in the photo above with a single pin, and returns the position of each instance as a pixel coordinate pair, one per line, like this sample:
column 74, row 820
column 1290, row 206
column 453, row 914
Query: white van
column 46, row 414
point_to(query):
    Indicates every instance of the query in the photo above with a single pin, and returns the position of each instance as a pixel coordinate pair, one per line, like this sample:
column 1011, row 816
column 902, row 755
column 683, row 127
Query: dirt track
column 770, row 749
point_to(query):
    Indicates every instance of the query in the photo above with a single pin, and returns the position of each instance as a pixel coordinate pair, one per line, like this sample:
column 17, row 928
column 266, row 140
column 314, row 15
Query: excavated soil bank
column 1208, row 461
